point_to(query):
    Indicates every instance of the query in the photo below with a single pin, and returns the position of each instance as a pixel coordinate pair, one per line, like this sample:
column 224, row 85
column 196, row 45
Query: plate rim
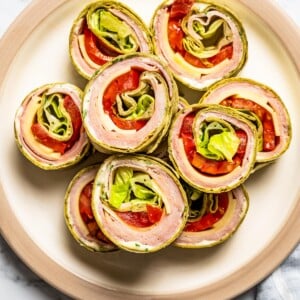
column 72, row 284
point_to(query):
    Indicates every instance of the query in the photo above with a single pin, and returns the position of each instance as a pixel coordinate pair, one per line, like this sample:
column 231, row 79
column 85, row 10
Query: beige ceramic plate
column 34, row 52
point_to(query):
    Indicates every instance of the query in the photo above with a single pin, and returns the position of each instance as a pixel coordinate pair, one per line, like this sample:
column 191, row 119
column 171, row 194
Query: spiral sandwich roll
column 129, row 103
column 262, row 106
column 213, row 148
column 201, row 41
column 102, row 31
column 139, row 203
column 48, row 126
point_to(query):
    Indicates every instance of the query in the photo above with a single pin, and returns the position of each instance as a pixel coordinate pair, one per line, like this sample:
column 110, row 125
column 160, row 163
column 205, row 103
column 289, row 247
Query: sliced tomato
column 189, row 145
column 126, row 82
column 208, row 220
column 175, row 35
column 240, row 103
column 214, row 167
column 136, row 219
column 76, row 119
column 187, row 124
column 110, row 95
column 225, row 52
column 154, row 213
column 269, row 138
column 128, row 124
column 142, row 218
column 193, row 60
column 42, row 135
column 87, row 190
column 85, row 208
column 87, row 215
column 92, row 49
column 243, row 141
column 180, row 8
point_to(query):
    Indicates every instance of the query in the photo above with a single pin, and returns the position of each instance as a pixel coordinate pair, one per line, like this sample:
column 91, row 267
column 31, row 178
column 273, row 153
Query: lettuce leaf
column 133, row 190
column 217, row 141
column 116, row 33
column 53, row 116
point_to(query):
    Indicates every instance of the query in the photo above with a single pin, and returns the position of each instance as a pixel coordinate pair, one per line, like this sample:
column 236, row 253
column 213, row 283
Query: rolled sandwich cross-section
column 102, row 31
column 213, row 148
column 79, row 215
column 213, row 218
column 139, row 203
column 201, row 41
column 48, row 126
column 129, row 103
column 261, row 105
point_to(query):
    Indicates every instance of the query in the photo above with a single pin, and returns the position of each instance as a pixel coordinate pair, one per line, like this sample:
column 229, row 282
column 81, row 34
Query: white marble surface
column 16, row 280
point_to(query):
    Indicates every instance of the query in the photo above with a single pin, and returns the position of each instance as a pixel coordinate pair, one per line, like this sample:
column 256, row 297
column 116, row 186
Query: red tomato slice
column 154, row 213
column 208, row 220
column 187, row 124
column 243, row 141
column 189, row 145
column 85, row 203
column 175, row 35
column 75, row 116
column 269, row 138
column 87, row 215
column 92, row 49
column 195, row 61
column 180, row 8
column 87, row 190
column 137, row 219
column 225, row 52
column 110, row 95
column 214, row 167
column 126, row 82
column 240, row 103
column 128, row 124
column 41, row 134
